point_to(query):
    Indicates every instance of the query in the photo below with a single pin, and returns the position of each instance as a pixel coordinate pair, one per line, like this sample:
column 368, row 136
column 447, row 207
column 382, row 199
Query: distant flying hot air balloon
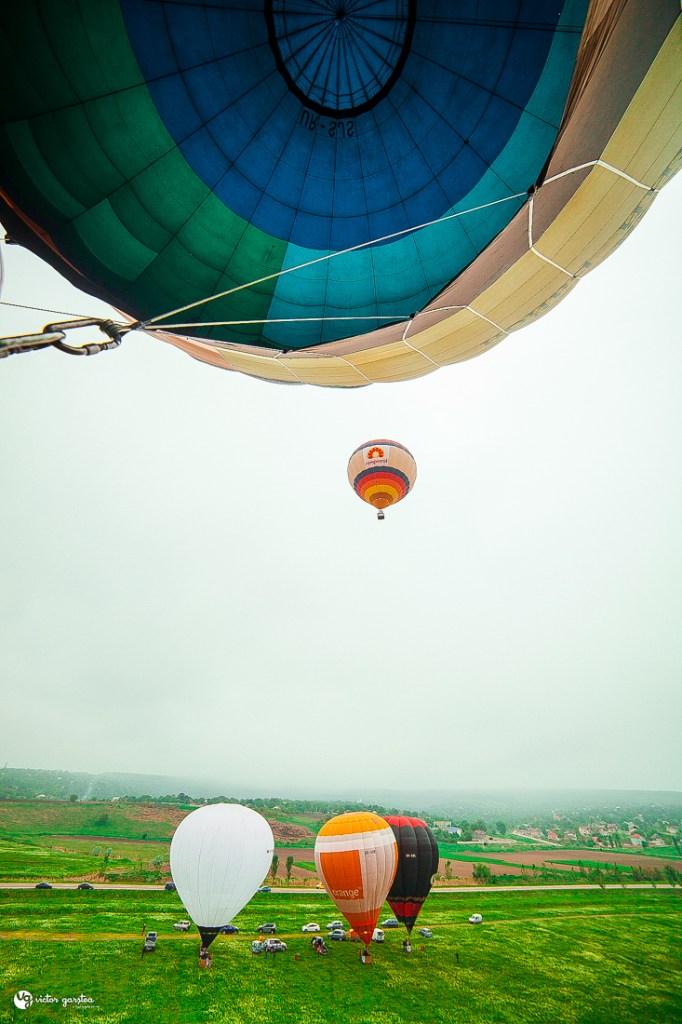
column 219, row 855
column 417, row 864
column 356, row 857
column 381, row 473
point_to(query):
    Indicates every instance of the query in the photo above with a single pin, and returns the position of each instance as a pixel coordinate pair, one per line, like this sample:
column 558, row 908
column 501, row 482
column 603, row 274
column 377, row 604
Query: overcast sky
column 189, row 585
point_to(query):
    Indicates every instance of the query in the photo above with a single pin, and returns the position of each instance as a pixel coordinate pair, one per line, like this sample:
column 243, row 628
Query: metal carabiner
column 112, row 330
column 53, row 335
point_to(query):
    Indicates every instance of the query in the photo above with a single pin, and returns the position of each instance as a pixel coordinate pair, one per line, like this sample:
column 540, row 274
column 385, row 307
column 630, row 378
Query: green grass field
column 61, row 818
column 578, row 957
column 32, row 858
column 452, row 849
column 667, row 852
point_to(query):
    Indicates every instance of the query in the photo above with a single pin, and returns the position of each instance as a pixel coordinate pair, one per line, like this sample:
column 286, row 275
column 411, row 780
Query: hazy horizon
column 286, row 790
column 190, row 587
column 493, row 804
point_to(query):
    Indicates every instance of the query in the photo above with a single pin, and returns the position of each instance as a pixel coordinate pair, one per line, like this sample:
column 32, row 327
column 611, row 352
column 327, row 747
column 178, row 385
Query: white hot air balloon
column 219, row 855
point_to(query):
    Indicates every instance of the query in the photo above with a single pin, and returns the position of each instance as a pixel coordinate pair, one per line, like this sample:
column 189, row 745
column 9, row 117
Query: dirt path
column 601, row 856
column 538, row 858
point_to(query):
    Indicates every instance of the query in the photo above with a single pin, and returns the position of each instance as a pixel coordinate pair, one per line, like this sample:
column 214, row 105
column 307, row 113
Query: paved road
column 294, row 890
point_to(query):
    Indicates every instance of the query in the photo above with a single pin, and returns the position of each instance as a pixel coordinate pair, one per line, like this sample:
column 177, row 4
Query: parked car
column 269, row 928
column 268, row 946
column 229, row 929
column 170, row 887
column 43, row 885
column 264, row 888
column 274, row 946
column 426, row 933
column 84, row 885
column 476, row 919
column 390, row 922
column 182, row 926
column 311, row 927
column 335, row 924
column 149, row 942
column 337, row 934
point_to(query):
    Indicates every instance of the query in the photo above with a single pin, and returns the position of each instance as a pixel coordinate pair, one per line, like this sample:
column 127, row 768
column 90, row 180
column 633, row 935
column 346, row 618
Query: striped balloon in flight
column 357, row 857
column 381, row 472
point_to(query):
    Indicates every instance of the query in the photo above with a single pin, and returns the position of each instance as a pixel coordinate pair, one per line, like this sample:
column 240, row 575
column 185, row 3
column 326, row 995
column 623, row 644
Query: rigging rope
column 331, row 256
column 529, row 193
column 116, row 331
column 392, row 318
column 43, row 309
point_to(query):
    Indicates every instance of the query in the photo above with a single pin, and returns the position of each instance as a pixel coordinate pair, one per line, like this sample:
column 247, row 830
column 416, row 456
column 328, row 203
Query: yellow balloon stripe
column 381, row 489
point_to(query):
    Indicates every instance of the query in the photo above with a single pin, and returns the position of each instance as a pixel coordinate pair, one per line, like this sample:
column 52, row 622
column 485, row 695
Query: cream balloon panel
column 394, row 456
column 219, row 856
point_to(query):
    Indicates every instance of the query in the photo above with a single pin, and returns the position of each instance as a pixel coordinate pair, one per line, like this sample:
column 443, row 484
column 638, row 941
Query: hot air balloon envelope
column 382, row 472
column 461, row 163
column 356, row 857
column 417, row 864
column 219, row 855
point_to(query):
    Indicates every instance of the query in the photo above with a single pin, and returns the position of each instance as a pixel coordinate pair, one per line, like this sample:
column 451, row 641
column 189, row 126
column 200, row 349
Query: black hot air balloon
column 417, row 863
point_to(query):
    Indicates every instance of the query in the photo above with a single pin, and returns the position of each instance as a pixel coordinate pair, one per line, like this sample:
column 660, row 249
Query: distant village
column 603, row 835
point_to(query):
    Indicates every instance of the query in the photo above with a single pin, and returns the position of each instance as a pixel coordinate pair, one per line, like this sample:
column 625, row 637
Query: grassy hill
column 126, row 820
column 116, row 842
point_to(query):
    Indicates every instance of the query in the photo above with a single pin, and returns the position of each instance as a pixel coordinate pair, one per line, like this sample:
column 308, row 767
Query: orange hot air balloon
column 356, row 855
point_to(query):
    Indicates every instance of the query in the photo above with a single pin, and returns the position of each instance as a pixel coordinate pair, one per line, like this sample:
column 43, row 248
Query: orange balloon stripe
column 385, row 481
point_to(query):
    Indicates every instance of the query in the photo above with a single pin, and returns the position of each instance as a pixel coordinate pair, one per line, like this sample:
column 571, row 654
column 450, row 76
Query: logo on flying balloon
column 376, row 456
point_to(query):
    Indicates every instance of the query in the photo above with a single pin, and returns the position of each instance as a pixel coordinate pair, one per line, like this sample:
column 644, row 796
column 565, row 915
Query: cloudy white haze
column 190, row 587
